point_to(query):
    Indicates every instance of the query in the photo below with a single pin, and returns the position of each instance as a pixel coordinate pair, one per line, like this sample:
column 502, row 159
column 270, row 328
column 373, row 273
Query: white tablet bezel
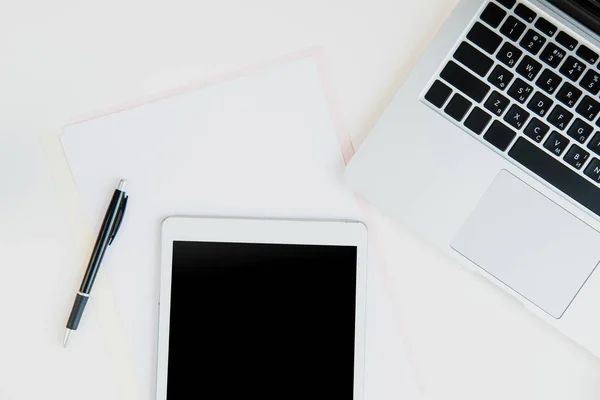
column 231, row 230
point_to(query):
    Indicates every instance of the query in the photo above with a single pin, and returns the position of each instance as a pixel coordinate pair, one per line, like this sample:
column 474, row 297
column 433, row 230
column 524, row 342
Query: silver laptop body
column 491, row 151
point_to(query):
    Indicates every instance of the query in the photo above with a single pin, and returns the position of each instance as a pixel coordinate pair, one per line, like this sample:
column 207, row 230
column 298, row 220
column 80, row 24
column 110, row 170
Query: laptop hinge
column 585, row 11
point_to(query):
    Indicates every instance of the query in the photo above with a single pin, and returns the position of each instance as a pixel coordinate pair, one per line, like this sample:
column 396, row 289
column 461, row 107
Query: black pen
column 108, row 231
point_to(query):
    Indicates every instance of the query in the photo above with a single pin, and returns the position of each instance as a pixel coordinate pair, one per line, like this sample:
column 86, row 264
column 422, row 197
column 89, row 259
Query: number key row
column 548, row 80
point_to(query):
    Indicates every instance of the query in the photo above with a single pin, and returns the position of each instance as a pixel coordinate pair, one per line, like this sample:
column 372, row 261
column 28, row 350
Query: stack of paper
column 260, row 145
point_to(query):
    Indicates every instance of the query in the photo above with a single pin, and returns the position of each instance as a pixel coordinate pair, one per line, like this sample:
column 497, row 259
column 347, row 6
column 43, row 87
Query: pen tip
column 122, row 185
column 68, row 333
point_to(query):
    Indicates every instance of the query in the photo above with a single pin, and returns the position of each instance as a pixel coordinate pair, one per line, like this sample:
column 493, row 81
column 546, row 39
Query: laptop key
column 464, row 81
column 520, row 91
column 594, row 144
column 548, row 81
column 559, row 117
column 457, row 107
column 536, row 130
column 484, row 37
column 556, row 143
column 579, row 130
column 532, row 42
column 529, row 68
column 587, row 54
column 438, row 93
column 576, row 156
column 593, row 170
column 568, row 94
column 552, row 55
column 556, row 174
column 540, row 104
column 509, row 54
column 545, row 27
column 493, row 15
column 588, row 108
column 516, row 116
column 508, row 3
column 591, row 82
column 477, row 120
column 500, row 77
column 473, row 59
column 512, row 28
column 499, row 135
column 496, row 103
column 572, row 68
column 566, row 40
column 525, row 13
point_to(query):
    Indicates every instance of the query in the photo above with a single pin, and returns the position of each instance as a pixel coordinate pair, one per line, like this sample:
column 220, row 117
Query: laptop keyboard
column 527, row 87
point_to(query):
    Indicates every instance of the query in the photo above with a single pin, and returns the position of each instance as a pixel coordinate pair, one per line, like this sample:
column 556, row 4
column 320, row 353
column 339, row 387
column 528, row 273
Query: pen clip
column 119, row 219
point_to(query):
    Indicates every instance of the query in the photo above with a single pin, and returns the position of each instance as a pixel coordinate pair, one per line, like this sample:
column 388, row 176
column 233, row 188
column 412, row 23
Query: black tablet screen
column 264, row 321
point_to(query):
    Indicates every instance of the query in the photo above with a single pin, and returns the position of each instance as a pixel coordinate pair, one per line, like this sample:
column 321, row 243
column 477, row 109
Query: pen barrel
column 102, row 241
column 77, row 311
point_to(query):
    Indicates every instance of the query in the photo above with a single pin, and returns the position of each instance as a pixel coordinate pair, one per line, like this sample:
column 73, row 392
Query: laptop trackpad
column 530, row 243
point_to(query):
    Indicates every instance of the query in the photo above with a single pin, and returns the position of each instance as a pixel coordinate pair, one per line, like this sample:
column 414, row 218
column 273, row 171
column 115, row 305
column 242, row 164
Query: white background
column 63, row 59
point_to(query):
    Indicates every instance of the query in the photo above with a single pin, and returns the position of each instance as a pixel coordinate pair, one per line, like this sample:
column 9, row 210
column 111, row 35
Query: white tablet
column 266, row 309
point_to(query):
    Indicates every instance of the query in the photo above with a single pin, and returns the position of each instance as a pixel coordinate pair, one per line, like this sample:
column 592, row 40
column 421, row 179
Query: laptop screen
column 585, row 11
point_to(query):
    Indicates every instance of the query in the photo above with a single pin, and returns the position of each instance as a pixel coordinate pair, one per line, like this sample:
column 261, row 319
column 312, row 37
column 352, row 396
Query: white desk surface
column 63, row 59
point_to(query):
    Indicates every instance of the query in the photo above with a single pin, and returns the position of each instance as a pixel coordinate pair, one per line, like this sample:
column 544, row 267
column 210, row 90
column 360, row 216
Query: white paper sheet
column 261, row 145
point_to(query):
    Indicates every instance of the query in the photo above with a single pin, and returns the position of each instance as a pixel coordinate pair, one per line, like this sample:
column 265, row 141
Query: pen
column 108, row 231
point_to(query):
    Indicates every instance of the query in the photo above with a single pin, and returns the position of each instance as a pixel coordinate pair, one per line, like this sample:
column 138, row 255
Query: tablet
column 265, row 309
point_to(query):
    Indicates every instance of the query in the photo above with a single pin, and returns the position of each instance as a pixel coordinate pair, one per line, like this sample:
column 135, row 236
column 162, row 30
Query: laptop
column 491, row 151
